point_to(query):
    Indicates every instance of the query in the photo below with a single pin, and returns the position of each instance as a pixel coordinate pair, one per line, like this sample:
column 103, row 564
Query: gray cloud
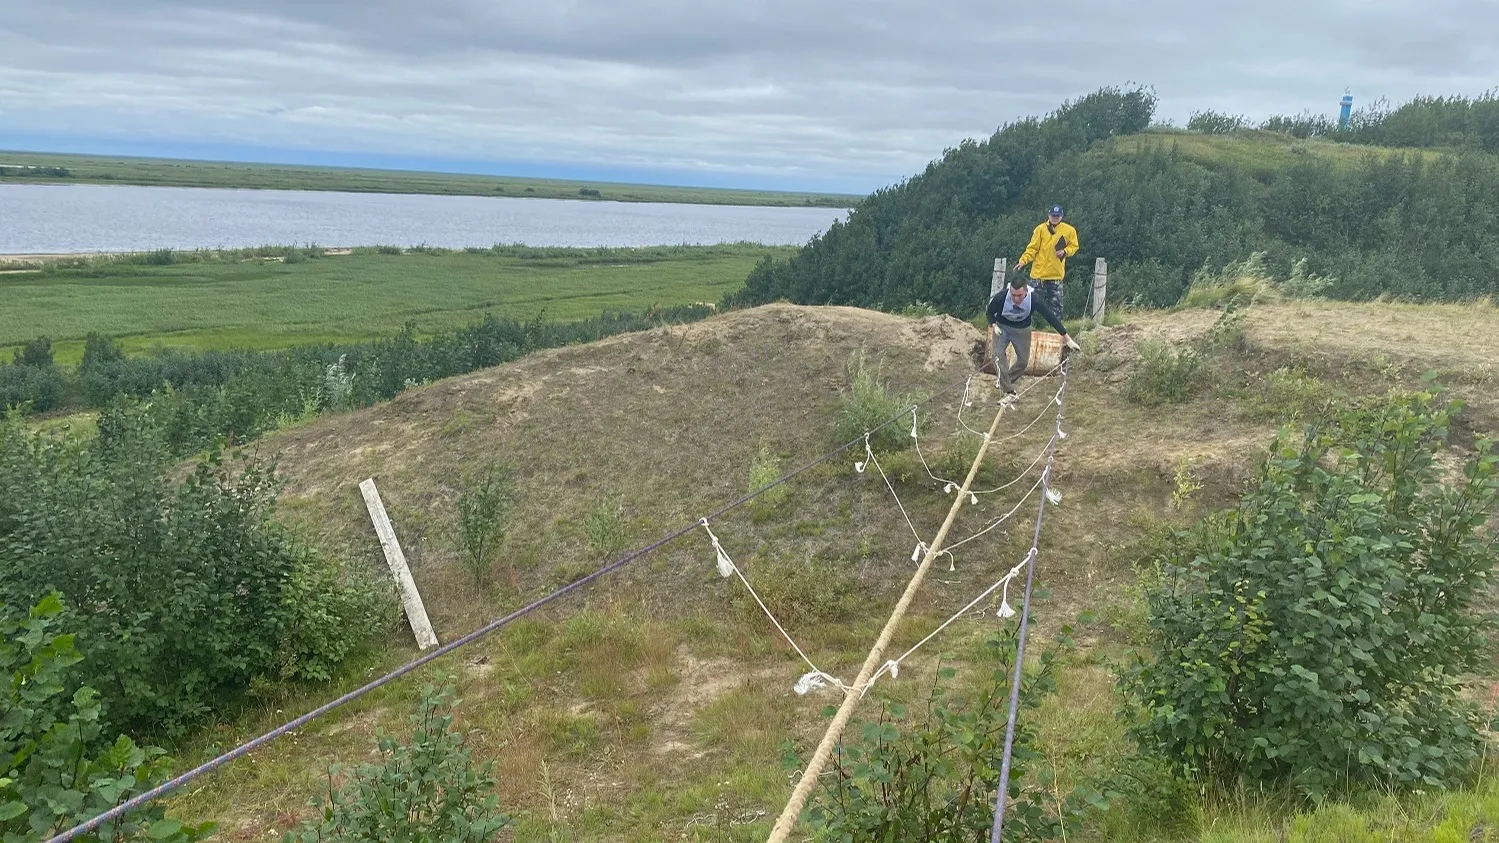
column 825, row 93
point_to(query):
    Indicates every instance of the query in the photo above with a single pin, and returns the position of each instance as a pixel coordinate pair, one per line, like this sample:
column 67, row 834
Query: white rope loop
column 868, row 455
column 816, row 678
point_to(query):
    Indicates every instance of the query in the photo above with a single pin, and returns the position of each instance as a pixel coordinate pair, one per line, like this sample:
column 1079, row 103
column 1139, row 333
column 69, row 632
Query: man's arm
column 1040, row 307
column 1032, row 249
column 996, row 306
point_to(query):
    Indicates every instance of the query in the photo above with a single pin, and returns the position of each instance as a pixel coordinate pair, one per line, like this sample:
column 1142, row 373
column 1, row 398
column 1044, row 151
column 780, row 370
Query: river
column 51, row 219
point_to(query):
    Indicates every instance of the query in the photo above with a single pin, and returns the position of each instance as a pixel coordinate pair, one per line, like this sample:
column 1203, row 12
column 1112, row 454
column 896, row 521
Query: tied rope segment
column 178, row 781
column 803, row 790
column 1002, row 792
column 799, row 796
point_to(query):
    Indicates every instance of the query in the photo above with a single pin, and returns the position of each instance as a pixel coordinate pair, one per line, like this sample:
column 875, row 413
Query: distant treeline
column 1424, row 122
column 1416, row 227
column 13, row 170
column 198, row 399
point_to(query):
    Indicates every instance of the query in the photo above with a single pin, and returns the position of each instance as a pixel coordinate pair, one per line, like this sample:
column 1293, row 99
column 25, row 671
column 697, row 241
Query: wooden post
column 411, row 599
column 1100, row 289
column 996, row 286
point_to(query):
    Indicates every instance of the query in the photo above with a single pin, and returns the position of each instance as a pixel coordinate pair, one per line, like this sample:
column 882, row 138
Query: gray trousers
column 1020, row 338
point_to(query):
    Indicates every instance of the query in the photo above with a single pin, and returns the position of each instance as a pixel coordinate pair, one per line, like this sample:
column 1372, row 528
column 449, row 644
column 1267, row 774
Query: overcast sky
column 792, row 94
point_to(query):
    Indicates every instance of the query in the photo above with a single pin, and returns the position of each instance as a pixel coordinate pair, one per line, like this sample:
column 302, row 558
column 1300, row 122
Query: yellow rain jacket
column 1041, row 254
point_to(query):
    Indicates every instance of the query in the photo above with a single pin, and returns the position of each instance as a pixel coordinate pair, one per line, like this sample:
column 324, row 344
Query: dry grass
column 658, row 699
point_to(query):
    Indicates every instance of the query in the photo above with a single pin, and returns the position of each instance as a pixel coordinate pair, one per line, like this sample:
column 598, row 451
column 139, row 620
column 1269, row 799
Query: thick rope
column 803, row 791
column 1002, row 792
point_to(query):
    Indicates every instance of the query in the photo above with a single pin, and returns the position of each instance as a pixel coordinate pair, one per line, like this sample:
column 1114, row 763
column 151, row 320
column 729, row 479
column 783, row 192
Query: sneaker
column 1009, row 400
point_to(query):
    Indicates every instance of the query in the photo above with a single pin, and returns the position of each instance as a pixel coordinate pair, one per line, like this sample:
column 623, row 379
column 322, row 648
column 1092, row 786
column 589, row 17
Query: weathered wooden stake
column 996, row 286
column 997, row 283
column 411, row 599
column 1100, row 289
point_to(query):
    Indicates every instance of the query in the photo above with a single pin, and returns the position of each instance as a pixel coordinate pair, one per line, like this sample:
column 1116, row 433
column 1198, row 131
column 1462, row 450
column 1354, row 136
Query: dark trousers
column 1051, row 293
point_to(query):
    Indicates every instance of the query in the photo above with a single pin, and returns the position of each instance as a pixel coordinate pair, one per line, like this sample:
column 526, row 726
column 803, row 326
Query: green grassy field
column 236, row 302
column 177, row 173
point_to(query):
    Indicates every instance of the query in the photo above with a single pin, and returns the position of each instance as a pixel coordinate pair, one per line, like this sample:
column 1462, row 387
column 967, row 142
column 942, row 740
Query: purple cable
column 1025, row 614
column 245, row 748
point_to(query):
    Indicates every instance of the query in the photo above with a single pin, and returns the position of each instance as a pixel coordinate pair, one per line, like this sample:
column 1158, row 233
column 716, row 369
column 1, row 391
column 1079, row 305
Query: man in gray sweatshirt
column 1010, row 317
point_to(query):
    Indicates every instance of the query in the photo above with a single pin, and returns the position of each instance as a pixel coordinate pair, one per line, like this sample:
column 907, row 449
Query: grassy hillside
column 1256, row 151
column 654, row 705
column 1161, row 207
column 201, row 301
column 166, row 172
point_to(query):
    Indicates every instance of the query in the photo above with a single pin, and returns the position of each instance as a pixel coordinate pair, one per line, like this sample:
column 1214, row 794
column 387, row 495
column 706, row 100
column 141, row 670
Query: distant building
column 1346, row 111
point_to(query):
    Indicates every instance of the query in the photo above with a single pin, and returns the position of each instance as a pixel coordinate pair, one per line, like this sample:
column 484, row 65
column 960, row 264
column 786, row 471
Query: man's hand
column 1072, row 344
column 1061, row 254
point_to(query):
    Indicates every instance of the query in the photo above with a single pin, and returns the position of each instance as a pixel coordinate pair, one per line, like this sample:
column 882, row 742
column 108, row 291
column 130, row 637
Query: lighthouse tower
column 1346, row 110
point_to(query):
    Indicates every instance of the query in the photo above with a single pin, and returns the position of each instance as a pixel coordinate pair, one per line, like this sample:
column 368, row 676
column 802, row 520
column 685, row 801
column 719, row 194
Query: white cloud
column 826, row 93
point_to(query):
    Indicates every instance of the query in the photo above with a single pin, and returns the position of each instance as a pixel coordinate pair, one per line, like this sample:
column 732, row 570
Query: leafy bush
column 426, row 790
column 931, row 773
column 868, row 403
column 956, row 455
column 1289, row 395
column 37, row 353
column 1316, row 636
column 764, row 470
column 57, row 768
column 37, row 388
column 182, row 594
column 484, row 508
column 1215, row 123
column 1163, row 374
column 800, row 591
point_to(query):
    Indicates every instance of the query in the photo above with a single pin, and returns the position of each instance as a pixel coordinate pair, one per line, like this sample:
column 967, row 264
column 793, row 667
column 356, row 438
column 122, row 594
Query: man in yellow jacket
column 1052, row 243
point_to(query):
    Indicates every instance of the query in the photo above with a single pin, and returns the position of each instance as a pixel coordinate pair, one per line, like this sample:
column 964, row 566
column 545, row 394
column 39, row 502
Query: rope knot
column 868, row 455
column 812, row 679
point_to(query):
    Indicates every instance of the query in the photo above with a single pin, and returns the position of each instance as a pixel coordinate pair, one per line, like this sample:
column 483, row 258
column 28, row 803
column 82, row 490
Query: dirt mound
column 620, row 442
column 655, row 427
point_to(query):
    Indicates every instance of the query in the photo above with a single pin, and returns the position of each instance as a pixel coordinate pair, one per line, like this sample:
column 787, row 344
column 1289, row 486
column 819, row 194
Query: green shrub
column 427, row 789
column 37, row 353
column 1164, row 375
column 1289, row 395
column 1303, row 284
column 1216, row 123
column 867, row 403
column 764, row 470
column 604, row 525
column 955, row 456
column 1316, row 636
column 484, row 508
column 800, row 591
column 57, row 767
column 930, row 772
column 182, row 593
column 35, row 388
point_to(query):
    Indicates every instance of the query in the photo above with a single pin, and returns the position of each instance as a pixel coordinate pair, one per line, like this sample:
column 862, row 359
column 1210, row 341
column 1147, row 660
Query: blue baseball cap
column 1056, row 210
